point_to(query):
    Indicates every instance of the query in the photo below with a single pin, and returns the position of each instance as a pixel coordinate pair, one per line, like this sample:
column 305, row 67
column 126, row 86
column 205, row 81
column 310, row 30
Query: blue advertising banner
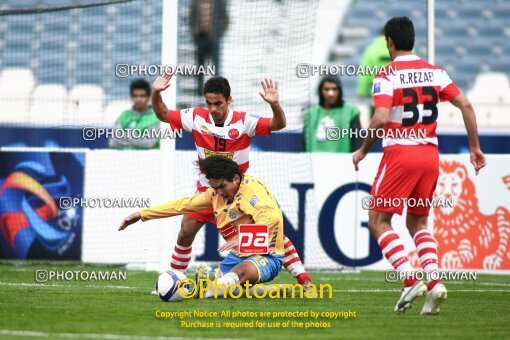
column 32, row 225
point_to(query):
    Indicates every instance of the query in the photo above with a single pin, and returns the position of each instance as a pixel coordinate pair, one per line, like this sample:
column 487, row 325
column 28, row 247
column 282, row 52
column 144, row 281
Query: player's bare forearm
column 468, row 114
column 469, row 117
column 381, row 117
column 160, row 84
column 159, row 106
column 270, row 95
column 278, row 121
column 131, row 219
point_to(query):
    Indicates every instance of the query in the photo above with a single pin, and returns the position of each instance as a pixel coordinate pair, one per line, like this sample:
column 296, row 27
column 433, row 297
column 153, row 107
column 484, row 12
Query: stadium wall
column 320, row 195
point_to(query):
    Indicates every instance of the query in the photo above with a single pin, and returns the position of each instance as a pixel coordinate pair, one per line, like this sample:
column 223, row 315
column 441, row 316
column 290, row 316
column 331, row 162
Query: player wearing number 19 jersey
column 406, row 94
column 217, row 130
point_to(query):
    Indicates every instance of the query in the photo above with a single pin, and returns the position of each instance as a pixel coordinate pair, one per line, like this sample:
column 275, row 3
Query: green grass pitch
column 125, row 309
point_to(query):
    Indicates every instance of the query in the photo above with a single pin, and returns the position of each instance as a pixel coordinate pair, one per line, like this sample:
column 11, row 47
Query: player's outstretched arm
column 160, row 84
column 270, row 95
column 468, row 114
column 381, row 117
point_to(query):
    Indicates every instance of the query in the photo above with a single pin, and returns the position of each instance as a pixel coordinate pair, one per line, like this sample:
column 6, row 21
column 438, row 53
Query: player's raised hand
column 162, row 82
column 133, row 218
column 229, row 245
column 357, row 157
column 270, row 93
column 477, row 159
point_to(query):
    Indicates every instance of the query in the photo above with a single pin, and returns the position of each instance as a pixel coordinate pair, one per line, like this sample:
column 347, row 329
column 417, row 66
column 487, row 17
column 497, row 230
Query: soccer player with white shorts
column 218, row 130
column 406, row 102
column 235, row 199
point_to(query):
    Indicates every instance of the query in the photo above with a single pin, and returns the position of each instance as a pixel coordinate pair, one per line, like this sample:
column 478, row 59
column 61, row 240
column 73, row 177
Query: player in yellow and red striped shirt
column 218, row 130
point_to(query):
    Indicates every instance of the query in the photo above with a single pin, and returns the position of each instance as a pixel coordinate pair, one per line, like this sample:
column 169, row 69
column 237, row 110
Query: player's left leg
column 416, row 221
column 426, row 246
column 254, row 269
column 292, row 262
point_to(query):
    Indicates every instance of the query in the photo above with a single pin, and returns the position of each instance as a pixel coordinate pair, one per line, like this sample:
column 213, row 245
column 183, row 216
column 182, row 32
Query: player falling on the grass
column 217, row 130
column 231, row 193
column 406, row 100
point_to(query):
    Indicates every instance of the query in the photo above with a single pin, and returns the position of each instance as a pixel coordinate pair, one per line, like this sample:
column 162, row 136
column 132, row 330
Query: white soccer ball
column 167, row 285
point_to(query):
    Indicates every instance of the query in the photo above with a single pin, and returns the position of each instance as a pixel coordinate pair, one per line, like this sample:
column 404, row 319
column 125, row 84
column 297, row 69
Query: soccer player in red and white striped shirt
column 218, row 130
column 406, row 100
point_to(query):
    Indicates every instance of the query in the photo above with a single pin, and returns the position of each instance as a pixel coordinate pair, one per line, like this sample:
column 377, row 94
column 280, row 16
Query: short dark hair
column 140, row 84
column 401, row 31
column 219, row 167
column 217, row 85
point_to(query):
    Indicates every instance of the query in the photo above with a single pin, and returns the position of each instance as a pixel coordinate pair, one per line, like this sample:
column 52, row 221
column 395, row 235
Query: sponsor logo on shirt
column 233, row 133
column 232, row 214
column 254, row 200
column 209, row 153
column 377, row 88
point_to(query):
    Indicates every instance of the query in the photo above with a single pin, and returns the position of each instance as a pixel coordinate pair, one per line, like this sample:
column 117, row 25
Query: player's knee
column 372, row 222
column 378, row 222
column 189, row 230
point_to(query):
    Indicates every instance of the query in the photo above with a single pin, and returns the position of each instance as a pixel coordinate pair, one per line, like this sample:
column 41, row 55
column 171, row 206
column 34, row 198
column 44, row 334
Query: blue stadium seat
column 17, row 52
column 502, row 65
column 51, row 70
column 89, row 73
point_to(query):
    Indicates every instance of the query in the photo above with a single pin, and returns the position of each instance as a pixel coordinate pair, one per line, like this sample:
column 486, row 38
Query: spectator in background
column 209, row 20
column 375, row 54
column 140, row 117
column 332, row 112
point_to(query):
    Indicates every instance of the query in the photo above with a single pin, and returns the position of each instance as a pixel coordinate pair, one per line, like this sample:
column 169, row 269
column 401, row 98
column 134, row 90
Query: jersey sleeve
column 382, row 91
column 256, row 125
column 181, row 119
column 448, row 89
column 263, row 212
column 181, row 206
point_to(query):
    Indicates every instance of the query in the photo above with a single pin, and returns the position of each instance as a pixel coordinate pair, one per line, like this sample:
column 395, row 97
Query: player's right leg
column 292, row 262
column 399, row 172
column 393, row 249
column 182, row 250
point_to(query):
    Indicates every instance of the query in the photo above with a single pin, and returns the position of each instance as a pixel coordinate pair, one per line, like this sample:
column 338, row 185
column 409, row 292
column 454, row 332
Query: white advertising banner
column 321, row 197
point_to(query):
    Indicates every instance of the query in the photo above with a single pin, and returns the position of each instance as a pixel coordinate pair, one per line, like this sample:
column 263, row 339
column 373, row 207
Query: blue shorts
column 268, row 266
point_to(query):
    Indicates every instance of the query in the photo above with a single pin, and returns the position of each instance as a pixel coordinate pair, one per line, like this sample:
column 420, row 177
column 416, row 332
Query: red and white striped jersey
column 231, row 140
column 411, row 88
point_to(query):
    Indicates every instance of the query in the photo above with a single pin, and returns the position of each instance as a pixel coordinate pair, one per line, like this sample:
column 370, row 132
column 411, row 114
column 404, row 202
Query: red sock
column 393, row 249
column 180, row 258
column 426, row 246
column 293, row 264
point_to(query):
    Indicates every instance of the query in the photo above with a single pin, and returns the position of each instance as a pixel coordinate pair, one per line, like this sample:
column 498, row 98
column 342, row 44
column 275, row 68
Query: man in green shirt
column 375, row 54
column 332, row 112
column 139, row 117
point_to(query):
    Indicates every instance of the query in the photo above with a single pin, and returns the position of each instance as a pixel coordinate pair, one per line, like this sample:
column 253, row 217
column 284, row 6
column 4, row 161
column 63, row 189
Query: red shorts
column 407, row 173
column 206, row 215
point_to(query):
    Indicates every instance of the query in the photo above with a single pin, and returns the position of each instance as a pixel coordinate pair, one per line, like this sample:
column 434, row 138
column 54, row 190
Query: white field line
column 24, row 284
column 40, row 334
column 382, row 280
column 142, row 289
column 399, row 290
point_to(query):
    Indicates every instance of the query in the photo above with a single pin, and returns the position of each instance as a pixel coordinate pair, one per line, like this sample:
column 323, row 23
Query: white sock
column 226, row 281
